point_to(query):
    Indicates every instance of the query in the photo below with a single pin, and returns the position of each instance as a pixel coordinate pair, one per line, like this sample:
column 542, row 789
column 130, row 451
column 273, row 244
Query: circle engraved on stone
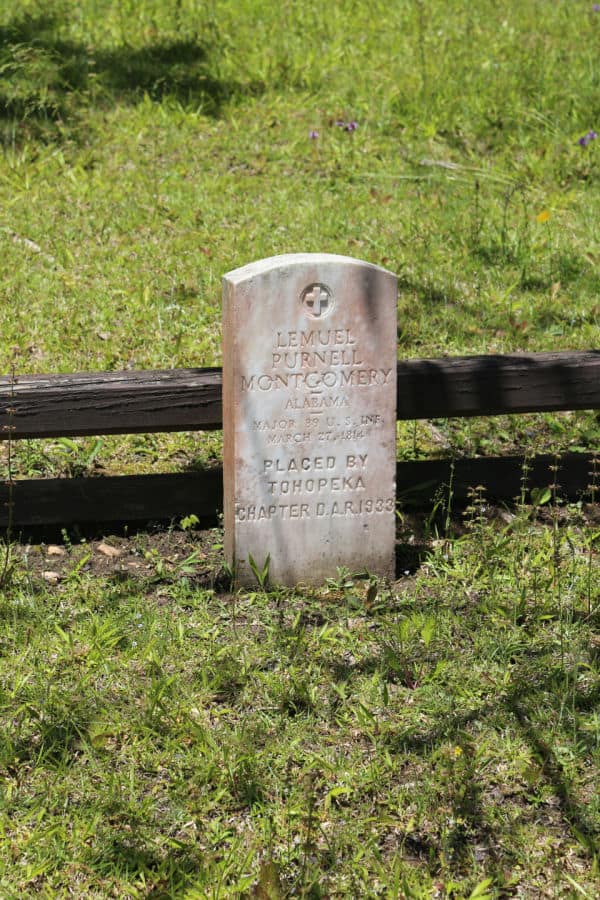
column 317, row 301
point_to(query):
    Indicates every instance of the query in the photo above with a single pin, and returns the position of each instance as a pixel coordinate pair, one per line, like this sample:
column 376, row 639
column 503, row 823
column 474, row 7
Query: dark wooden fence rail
column 190, row 399
column 143, row 498
column 44, row 406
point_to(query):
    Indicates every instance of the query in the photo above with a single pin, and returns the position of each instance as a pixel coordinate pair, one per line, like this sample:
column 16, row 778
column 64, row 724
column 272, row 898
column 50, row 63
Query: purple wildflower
column 596, row 7
column 313, row 135
column 585, row 140
column 347, row 126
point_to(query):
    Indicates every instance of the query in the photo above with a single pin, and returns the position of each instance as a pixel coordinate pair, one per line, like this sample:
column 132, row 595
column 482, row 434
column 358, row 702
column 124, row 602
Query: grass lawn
column 437, row 736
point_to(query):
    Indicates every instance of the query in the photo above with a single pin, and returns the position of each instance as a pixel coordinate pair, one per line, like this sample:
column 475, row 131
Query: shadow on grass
column 447, row 739
column 131, row 856
column 49, row 81
column 519, row 703
column 554, row 775
column 57, row 735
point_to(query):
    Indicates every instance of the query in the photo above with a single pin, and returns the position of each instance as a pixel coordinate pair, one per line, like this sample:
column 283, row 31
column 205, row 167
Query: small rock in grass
column 107, row 550
column 55, row 550
column 51, row 577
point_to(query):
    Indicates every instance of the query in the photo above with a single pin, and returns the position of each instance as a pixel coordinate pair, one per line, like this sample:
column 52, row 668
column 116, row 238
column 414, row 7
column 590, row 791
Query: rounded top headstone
column 309, row 417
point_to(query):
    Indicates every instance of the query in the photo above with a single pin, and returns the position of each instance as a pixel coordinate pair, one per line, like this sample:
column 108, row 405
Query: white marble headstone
column 309, row 417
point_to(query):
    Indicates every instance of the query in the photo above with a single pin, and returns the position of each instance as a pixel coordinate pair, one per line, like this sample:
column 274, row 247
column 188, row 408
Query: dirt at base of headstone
column 161, row 554
column 166, row 554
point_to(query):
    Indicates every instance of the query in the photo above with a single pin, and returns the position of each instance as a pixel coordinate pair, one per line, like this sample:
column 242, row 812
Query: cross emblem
column 317, row 301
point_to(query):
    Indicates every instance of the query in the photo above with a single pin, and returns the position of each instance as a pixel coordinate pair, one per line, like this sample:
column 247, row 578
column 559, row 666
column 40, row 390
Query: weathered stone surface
column 309, row 417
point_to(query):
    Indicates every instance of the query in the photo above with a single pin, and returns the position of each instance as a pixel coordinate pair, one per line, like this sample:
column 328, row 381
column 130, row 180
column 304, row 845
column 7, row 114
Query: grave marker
column 309, row 417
